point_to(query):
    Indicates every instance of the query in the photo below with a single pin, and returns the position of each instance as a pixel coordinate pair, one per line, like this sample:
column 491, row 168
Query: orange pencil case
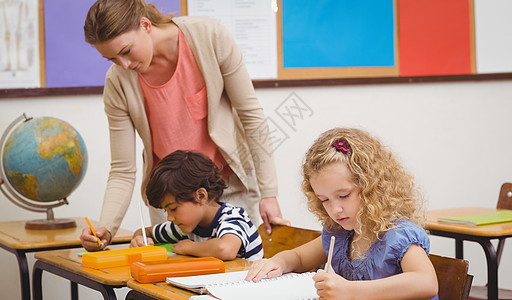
column 157, row 271
column 122, row 257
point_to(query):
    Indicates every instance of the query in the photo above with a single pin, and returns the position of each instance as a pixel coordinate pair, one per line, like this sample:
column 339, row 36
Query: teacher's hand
column 90, row 242
column 271, row 213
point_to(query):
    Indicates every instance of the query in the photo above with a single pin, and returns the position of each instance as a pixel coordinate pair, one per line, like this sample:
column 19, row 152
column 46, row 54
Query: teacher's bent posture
column 181, row 83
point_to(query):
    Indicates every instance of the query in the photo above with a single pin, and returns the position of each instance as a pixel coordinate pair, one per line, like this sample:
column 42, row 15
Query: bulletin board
column 321, row 42
column 376, row 38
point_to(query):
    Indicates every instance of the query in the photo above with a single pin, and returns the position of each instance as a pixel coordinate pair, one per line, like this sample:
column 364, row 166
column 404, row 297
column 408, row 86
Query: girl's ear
column 201, row 196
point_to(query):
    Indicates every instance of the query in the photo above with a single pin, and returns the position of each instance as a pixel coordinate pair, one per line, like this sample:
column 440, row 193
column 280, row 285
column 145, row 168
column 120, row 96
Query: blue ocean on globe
column 44, row 159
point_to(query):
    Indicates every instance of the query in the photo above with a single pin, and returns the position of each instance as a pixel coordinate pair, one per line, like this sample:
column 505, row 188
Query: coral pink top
column 177, row 111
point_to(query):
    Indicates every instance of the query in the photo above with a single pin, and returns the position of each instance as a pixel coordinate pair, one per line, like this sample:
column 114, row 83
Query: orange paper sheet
column 434, row 37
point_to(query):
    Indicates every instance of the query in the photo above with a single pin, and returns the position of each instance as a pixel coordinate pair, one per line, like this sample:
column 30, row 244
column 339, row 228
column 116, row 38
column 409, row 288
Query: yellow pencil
column 94, row 232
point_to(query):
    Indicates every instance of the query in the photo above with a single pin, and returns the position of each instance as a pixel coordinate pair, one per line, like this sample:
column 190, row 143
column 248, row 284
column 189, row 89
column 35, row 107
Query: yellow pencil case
column 158, row 271
column 122, row 257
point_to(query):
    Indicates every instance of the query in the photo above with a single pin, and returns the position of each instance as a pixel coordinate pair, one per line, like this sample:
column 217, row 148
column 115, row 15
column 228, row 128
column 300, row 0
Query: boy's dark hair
column 181, row 174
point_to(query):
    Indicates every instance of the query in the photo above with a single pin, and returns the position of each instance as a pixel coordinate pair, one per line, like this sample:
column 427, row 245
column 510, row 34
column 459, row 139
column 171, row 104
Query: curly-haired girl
column 369, row 203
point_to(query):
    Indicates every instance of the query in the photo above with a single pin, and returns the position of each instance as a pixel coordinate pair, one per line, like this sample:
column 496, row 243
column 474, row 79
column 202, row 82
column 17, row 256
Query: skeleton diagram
column 17, row 35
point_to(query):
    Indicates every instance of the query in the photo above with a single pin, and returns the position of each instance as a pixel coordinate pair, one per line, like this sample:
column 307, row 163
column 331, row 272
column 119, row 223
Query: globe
column 44, row 160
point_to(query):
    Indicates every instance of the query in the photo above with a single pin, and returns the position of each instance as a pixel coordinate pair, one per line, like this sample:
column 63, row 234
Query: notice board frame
column 286, row 78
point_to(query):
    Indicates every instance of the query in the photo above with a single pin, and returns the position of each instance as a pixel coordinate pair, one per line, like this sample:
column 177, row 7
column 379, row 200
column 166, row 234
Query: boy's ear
column 201, row 196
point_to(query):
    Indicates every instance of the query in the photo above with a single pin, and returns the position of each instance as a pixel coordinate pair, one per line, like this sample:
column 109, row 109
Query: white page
column 204, row 280
column 289, row 286
column 252, row 23
column 202, row 297
column 493, row 36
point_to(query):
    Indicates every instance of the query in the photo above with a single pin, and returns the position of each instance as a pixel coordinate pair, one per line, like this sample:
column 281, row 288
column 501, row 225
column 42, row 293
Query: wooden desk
column 164, row 291
column 67, row 264
column 18, row 240
column 480, row 234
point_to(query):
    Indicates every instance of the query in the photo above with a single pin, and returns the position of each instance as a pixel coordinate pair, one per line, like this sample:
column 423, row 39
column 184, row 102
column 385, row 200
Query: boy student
column 188, row 186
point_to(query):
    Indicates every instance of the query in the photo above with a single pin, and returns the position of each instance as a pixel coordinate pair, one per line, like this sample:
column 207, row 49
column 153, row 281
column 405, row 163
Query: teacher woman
column 180, row 83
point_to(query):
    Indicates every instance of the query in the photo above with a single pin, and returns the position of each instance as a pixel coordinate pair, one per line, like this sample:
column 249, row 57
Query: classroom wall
column 453, row 136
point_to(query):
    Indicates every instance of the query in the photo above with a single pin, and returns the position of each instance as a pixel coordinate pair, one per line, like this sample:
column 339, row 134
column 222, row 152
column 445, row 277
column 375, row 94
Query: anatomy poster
column 19, row 44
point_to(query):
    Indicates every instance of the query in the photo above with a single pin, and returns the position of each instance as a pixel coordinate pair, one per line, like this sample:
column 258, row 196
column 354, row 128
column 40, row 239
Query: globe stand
column 45, row 224
column 50, row 222
column 42, row 224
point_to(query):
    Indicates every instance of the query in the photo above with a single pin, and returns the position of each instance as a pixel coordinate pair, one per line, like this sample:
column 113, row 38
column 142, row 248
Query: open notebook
column 232, row 286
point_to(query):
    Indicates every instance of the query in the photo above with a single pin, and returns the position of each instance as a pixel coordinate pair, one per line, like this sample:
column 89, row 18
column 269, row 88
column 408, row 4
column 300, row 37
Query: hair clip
column 342, row 146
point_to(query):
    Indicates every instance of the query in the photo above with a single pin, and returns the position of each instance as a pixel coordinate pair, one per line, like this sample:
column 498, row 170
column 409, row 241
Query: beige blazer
column 236, row 122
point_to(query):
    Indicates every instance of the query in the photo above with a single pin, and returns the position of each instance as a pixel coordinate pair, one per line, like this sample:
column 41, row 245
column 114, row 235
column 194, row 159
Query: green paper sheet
column 167, row 246
column 500, row 216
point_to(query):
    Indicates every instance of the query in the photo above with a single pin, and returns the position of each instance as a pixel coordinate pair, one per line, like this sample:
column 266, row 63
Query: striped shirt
column 228, row 220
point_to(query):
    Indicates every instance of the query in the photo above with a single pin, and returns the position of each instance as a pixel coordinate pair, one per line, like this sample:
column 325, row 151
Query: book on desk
column 232, row 285
column 500, row 216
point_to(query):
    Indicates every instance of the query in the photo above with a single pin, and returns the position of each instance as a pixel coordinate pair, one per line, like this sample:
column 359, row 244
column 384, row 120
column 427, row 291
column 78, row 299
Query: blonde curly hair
column 386, row 191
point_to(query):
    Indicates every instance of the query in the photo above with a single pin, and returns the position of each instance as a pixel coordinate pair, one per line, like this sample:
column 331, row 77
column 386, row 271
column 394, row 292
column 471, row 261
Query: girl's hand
column 264, row 268
column 330, row 285
column 138, row 241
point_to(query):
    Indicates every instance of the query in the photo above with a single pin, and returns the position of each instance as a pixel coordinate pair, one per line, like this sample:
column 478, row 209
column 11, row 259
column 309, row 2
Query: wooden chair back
column 452, row 275
column 504, row 202
column 284, row 238
column 505, row 199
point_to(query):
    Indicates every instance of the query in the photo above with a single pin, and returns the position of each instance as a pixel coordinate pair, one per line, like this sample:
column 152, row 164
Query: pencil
column 143, row 228
column 328, row 267
column 94, row 232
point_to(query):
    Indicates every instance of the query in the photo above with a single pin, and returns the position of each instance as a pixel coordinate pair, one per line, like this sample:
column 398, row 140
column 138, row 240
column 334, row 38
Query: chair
column 284, row 238
column 504, row 202
column 452, row 275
